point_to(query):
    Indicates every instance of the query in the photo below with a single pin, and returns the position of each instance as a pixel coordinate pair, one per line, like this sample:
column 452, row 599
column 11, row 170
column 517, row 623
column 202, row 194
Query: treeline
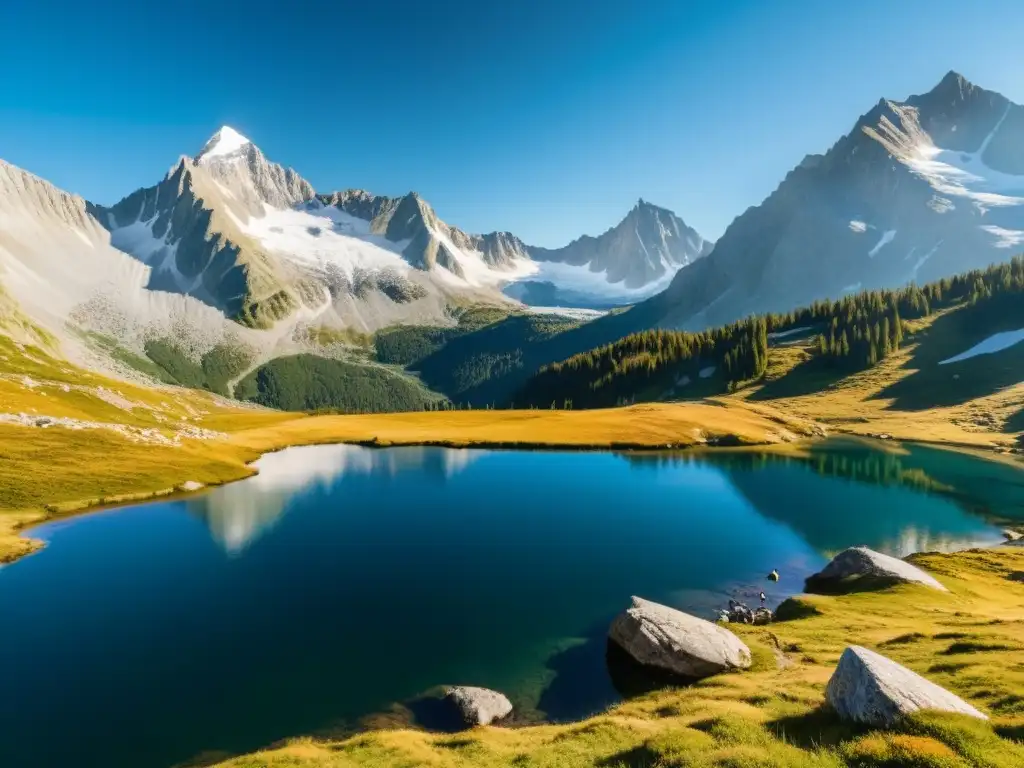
column 311, row 383
column 855, row 332
column 859, row 331
column 647, row 365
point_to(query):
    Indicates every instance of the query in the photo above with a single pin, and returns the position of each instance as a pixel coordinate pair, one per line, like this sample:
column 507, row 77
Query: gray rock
column 1011, row 535
column 658, row 636
column 860, row 564
column 478, row 706
column 869, row 688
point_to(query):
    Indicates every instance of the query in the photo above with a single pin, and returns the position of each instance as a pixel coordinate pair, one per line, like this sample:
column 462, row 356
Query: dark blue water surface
column 342, row 582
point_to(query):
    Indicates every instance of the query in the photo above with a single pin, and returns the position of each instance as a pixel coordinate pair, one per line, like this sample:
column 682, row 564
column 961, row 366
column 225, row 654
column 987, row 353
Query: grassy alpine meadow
column 970, row 641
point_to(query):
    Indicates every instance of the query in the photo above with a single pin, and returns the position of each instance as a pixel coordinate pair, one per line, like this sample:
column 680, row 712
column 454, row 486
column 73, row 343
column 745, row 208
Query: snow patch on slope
column 581, row 280
column 1005, row 238
column 964, row 174
column 994, row 343
column 325, row 236
column 575, row 313
column 886, row 238
column 478, row 273
column 790, row 332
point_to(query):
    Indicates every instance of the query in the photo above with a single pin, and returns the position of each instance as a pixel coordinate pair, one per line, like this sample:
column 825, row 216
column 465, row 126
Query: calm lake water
column 342, row 582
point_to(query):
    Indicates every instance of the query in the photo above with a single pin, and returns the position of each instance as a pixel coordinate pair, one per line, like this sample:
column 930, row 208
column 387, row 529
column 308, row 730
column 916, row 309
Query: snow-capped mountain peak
column 227, row 142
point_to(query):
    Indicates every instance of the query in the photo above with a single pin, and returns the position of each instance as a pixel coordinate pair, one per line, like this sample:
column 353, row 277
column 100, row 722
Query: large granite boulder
column 658, row 636
column 478, row 706
column 863, row 567
column 869, row 688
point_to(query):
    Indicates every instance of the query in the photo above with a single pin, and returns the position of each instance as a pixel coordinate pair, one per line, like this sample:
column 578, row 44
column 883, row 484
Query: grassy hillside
column 408, row 344
column 311, row 383
column 487, row 366
column 842, row 338
column 969, row 641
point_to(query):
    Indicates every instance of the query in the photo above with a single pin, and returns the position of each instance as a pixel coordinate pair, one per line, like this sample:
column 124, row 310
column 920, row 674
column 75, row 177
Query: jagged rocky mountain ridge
column 256, row 241
column 229, row 246
column 918, row 190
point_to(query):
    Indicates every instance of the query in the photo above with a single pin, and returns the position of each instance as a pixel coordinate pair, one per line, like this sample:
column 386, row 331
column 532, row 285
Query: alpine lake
column 341, row 587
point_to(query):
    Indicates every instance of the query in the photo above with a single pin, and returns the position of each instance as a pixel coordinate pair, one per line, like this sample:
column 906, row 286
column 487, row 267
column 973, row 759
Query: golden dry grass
column 860, row 403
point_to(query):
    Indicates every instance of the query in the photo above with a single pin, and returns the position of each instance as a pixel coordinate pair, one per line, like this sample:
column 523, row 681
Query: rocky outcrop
column 187, row 229
column 738, row 613
column 863, row 568
column 478, row 706
column 866, row 687
column 658, row 636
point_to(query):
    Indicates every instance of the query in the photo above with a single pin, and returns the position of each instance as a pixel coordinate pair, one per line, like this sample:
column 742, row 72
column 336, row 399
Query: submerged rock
column 774, row 575
column 658, row 636
column 478, row 706
column 866, row 687
column 867, row 567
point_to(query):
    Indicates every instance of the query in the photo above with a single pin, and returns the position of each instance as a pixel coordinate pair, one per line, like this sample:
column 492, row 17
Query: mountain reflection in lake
column 240, row 512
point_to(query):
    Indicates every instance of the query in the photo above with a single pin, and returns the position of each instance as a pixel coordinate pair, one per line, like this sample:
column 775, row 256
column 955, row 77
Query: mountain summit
column 918, row 190
column 226, row 142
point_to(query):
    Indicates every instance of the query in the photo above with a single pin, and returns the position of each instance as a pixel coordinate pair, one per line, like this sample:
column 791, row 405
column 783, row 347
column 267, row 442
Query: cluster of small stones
column 135, row 434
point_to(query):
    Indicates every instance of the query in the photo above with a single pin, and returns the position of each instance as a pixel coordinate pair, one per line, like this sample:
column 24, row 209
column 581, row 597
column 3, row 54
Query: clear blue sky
column 548, row 118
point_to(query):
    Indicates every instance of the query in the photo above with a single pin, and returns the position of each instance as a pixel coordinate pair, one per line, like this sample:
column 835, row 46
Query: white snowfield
column 997, row 342
column 318, row 236
column 964, row 174
column 576, row 313
column 790, row 332
column 582, row 281
column 476, row 272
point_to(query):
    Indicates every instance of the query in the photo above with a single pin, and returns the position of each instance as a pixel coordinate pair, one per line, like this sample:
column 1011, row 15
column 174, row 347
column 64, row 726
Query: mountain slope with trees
column 848, row 335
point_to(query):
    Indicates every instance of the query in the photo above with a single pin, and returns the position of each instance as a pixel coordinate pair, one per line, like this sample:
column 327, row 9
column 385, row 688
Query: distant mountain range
column 232, row 249
column 255, row 240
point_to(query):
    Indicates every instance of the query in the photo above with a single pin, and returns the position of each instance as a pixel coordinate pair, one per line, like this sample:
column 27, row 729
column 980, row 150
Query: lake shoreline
column 214, row 462
column 24, row 545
